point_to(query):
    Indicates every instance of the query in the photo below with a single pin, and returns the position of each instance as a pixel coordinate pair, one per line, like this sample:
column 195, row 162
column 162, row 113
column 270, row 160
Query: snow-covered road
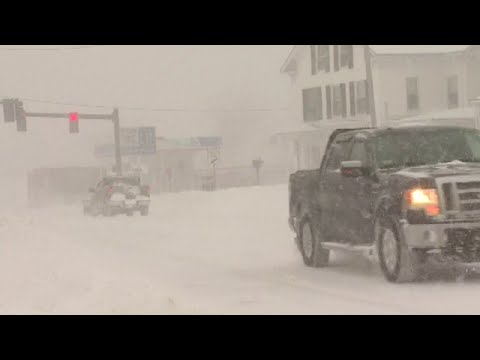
column 227, row 252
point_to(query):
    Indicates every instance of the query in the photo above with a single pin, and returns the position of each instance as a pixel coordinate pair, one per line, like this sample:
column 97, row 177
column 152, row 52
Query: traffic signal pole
column 12, row 107
column 118, row 153
column 371, row 92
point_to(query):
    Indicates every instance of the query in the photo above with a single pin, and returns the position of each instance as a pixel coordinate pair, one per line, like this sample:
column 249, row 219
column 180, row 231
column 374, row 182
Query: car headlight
column 423, row 199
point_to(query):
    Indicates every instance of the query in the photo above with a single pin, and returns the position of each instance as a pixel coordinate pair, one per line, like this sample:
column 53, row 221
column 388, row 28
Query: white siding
column 390, row 73
column 473, row 73
column 432, row 72
column 303, row 79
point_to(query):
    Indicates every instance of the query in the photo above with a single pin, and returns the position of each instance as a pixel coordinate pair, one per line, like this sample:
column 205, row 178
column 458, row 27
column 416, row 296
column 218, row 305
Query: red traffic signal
column 73, row 116
column 9, row 110
column 20, row 117
column 73, row 122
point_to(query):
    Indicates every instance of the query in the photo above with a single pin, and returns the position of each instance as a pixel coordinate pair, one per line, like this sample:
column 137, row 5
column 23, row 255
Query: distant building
column 329, row 90
column 177, row 163
column 173, row 166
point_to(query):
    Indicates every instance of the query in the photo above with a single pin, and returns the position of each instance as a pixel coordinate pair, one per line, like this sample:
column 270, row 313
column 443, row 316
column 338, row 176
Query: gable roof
column 380, row 50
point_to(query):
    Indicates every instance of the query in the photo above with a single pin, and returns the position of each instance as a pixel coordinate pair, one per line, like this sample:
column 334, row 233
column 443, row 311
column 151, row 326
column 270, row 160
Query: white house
column 330, row 89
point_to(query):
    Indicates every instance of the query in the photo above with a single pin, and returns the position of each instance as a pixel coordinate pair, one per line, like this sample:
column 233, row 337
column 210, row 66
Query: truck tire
column 129, row 213
column 144, row 212
column 314, row 255
column 398, row 263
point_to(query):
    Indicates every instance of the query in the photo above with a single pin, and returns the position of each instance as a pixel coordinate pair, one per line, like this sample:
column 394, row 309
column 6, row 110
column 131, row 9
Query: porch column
column 476, row 106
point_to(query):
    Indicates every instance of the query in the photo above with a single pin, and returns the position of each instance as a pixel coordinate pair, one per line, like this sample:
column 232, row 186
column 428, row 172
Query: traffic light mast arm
column 67, row 115
column 113, row 116
column 14, row 112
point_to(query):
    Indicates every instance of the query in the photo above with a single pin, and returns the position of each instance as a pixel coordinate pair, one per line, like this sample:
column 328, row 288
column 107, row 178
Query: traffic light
column 13, row 112
column 73, row 123
column 20, row 116
column 9, row 110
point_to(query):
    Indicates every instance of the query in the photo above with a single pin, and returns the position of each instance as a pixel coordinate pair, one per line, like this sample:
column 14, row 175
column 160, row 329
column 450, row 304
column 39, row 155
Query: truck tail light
column 110, row 191
column 423, row 199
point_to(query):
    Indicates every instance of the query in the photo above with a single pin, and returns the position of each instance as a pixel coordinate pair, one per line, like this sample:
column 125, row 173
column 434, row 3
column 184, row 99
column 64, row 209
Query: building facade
column 329, row 89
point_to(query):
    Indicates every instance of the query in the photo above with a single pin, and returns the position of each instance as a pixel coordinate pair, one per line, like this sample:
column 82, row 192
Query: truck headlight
column 423, row 199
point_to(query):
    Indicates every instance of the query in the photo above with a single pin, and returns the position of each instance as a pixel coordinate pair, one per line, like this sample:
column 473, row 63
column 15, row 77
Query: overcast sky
column 188, row 78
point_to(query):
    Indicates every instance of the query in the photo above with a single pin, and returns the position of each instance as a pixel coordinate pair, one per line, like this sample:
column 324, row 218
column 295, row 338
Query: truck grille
column 461, row 195
column 463, row 245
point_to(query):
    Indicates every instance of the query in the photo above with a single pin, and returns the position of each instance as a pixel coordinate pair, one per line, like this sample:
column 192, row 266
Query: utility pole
column 371, row 93
column 118, row 153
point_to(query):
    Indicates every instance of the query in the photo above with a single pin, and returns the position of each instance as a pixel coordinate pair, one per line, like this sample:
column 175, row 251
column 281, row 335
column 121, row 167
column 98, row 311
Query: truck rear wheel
column 398, row 263
column 314, row 255
column 144, row 211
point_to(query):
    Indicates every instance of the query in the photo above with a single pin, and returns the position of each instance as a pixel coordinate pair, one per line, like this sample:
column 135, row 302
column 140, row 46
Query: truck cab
column 406, row 194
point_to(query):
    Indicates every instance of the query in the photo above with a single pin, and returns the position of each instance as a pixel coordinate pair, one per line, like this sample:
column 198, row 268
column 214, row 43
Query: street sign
column 213, row 154
column 133, row 141
column 137, row 141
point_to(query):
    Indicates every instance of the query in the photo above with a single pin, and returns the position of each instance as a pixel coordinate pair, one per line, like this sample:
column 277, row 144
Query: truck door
column 358, row 196
column 330, row 194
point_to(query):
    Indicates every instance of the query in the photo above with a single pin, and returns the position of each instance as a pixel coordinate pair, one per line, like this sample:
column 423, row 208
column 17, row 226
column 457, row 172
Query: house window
column 343, row 90
column 413, row 102
column 336, row 63
column 452, row 92
column 362, row 97
column 352, row 98
column 339, row 100
column 329, row 101
column 346, row 56
column 312, row 104
column 323, row 58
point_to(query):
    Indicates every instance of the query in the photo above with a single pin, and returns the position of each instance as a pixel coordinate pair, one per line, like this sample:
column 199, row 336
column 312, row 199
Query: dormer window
column 323, row 58
column 346, row 56
column 320, row 58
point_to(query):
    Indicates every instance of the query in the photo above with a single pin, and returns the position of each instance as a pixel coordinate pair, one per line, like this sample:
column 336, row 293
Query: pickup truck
column 118, row 195
column 404, row 195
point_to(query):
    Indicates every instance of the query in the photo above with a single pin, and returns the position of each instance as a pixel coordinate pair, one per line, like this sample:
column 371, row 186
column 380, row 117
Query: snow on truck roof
column 404, row 127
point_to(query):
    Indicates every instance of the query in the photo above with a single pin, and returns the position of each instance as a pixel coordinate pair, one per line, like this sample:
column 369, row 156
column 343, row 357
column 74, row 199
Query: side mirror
column 352, row 169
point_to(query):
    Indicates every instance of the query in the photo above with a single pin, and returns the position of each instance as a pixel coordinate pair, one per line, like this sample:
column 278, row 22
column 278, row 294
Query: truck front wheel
column 398, row 263
column 314, row 255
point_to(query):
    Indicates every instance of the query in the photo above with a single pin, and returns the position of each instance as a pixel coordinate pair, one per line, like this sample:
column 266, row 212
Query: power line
column 51, row 48
column 147, row 109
